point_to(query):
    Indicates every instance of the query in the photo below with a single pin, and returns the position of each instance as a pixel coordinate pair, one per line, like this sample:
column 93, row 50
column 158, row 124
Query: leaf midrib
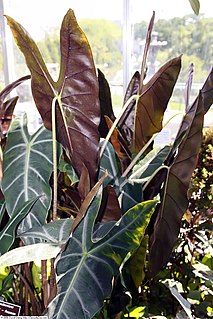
column 72, row 283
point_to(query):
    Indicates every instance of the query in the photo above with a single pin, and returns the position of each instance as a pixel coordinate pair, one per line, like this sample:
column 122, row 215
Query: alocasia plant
column 110, row 187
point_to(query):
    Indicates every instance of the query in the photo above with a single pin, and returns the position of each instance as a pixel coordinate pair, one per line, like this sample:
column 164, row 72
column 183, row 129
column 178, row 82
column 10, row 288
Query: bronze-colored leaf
column 76, row 92
column 8, row 108
column 174, row 199
column 127, row 121
column 207, row 99
column 132, row 89
column 153, row 102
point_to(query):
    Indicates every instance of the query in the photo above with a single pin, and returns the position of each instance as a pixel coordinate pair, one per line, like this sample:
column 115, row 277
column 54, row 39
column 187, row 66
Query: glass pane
column 177, row 31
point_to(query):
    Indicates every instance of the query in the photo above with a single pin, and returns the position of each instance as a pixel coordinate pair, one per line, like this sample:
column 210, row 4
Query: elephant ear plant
column 111, row 193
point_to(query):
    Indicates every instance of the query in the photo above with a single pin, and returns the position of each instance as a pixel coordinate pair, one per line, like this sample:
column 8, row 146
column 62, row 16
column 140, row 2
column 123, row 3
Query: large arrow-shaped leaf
column 153, row 102
column 55, row 234
column 27, row 166
column 174, row 199
column 86, row 267
column 76, row 91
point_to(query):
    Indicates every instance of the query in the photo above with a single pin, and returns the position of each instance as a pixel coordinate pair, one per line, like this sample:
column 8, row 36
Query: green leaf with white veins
column 56, row 231
column 7, row 235
column 87, row 265
column 108, row 162
column 27, row 167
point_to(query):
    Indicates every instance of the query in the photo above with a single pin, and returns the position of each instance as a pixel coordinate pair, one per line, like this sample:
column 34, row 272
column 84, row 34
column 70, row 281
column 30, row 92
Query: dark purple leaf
column 7, row 107
column 174, row 201
column 105, row 104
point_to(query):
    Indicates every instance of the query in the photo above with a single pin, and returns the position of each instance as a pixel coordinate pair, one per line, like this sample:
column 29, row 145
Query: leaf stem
column 55, row 184
column 138, row 156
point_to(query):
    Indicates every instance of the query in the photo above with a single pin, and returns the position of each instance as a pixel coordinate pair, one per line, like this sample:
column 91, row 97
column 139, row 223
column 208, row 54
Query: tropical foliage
column 89, row 188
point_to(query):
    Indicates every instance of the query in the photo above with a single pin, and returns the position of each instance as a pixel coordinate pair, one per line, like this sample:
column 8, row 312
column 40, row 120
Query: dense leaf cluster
column 91, row 189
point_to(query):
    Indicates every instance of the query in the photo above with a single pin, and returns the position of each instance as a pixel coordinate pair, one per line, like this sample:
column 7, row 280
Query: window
column 116, row 31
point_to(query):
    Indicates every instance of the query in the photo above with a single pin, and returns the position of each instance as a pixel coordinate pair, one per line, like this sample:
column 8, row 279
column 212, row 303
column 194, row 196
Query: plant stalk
column 55, row 184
